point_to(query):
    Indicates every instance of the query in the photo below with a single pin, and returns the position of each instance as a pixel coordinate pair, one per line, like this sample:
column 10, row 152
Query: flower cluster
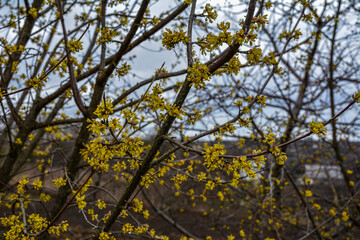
column 127, row 228
column 59, row 182
column 33, row 12
column 37, row 223
column 198, row 74
column 259, row 160
column 106, row 36
column 254, row 56
column 38, row 81
column 212, row 159
column 123, row 70
column 210, row 13
column 262, row 100
column 21, row 186
column 356, row 97
column 14, row 48
column 98, row 152
column 104, row 109
column 100, row 204
column 269, row 138
column 56, row 230
column 194, row 117
column 270, row 59
column 75, row 45
column 155, row 101
column 171, row 38
column 279, row 156
column 16, row 227
column 317, row 128
column 287, row 34
column 213, row 41
column 106, row 236
column 174, row 111
column 178, row 179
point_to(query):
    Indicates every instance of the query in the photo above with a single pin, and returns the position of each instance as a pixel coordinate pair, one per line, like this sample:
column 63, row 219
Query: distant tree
column 87, row 126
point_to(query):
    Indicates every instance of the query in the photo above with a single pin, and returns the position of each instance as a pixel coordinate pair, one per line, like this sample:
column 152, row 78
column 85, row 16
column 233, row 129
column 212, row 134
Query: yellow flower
column 141, row 229
column 75, row 45
column 21, row 185
column 56, row 230
column 356, row 97
column 80, row 201
column 317, row 128
column 37, row 223
column 269, row 138
column 37, row 184
column 146, row 214
column 104, row 109
column 220, row 196
column 33, row 12
column 308, row 193
column 59, row 182
column 31, row 136
column 332, row 212
column 106, row 36
column 100, row 204
column 137, row 205
column 123, row 70
column 45, row 197
column 171, row 38
column 201, row 176
column 106, row 236
column 36, row 82
column 127, row 228
column 230, row 237
column 316, row 206
column 209, row 13
column 345, row 216
column 198, row 74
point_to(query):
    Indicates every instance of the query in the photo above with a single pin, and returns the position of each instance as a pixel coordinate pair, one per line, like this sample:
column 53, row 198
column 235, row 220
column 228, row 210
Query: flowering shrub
column 137, row 119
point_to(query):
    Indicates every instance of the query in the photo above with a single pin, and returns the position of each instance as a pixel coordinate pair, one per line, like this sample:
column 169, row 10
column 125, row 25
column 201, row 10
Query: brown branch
column 75, row 90
column 103, row 25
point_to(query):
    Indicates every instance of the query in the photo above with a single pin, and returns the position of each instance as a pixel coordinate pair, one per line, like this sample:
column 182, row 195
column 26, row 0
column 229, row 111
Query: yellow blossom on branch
column 33, row 12
column 37, row 223
column 106, row 236
column 127, row 228
column 317, row 128
column 37, row 184
column 356, row 97
column 38, row 81
column 75, row 45
column 100, row 204
column 106, row 36
column 308, row 193
column 198, row 74
column 171, row 38
column 210, row 13
column 59, row 182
